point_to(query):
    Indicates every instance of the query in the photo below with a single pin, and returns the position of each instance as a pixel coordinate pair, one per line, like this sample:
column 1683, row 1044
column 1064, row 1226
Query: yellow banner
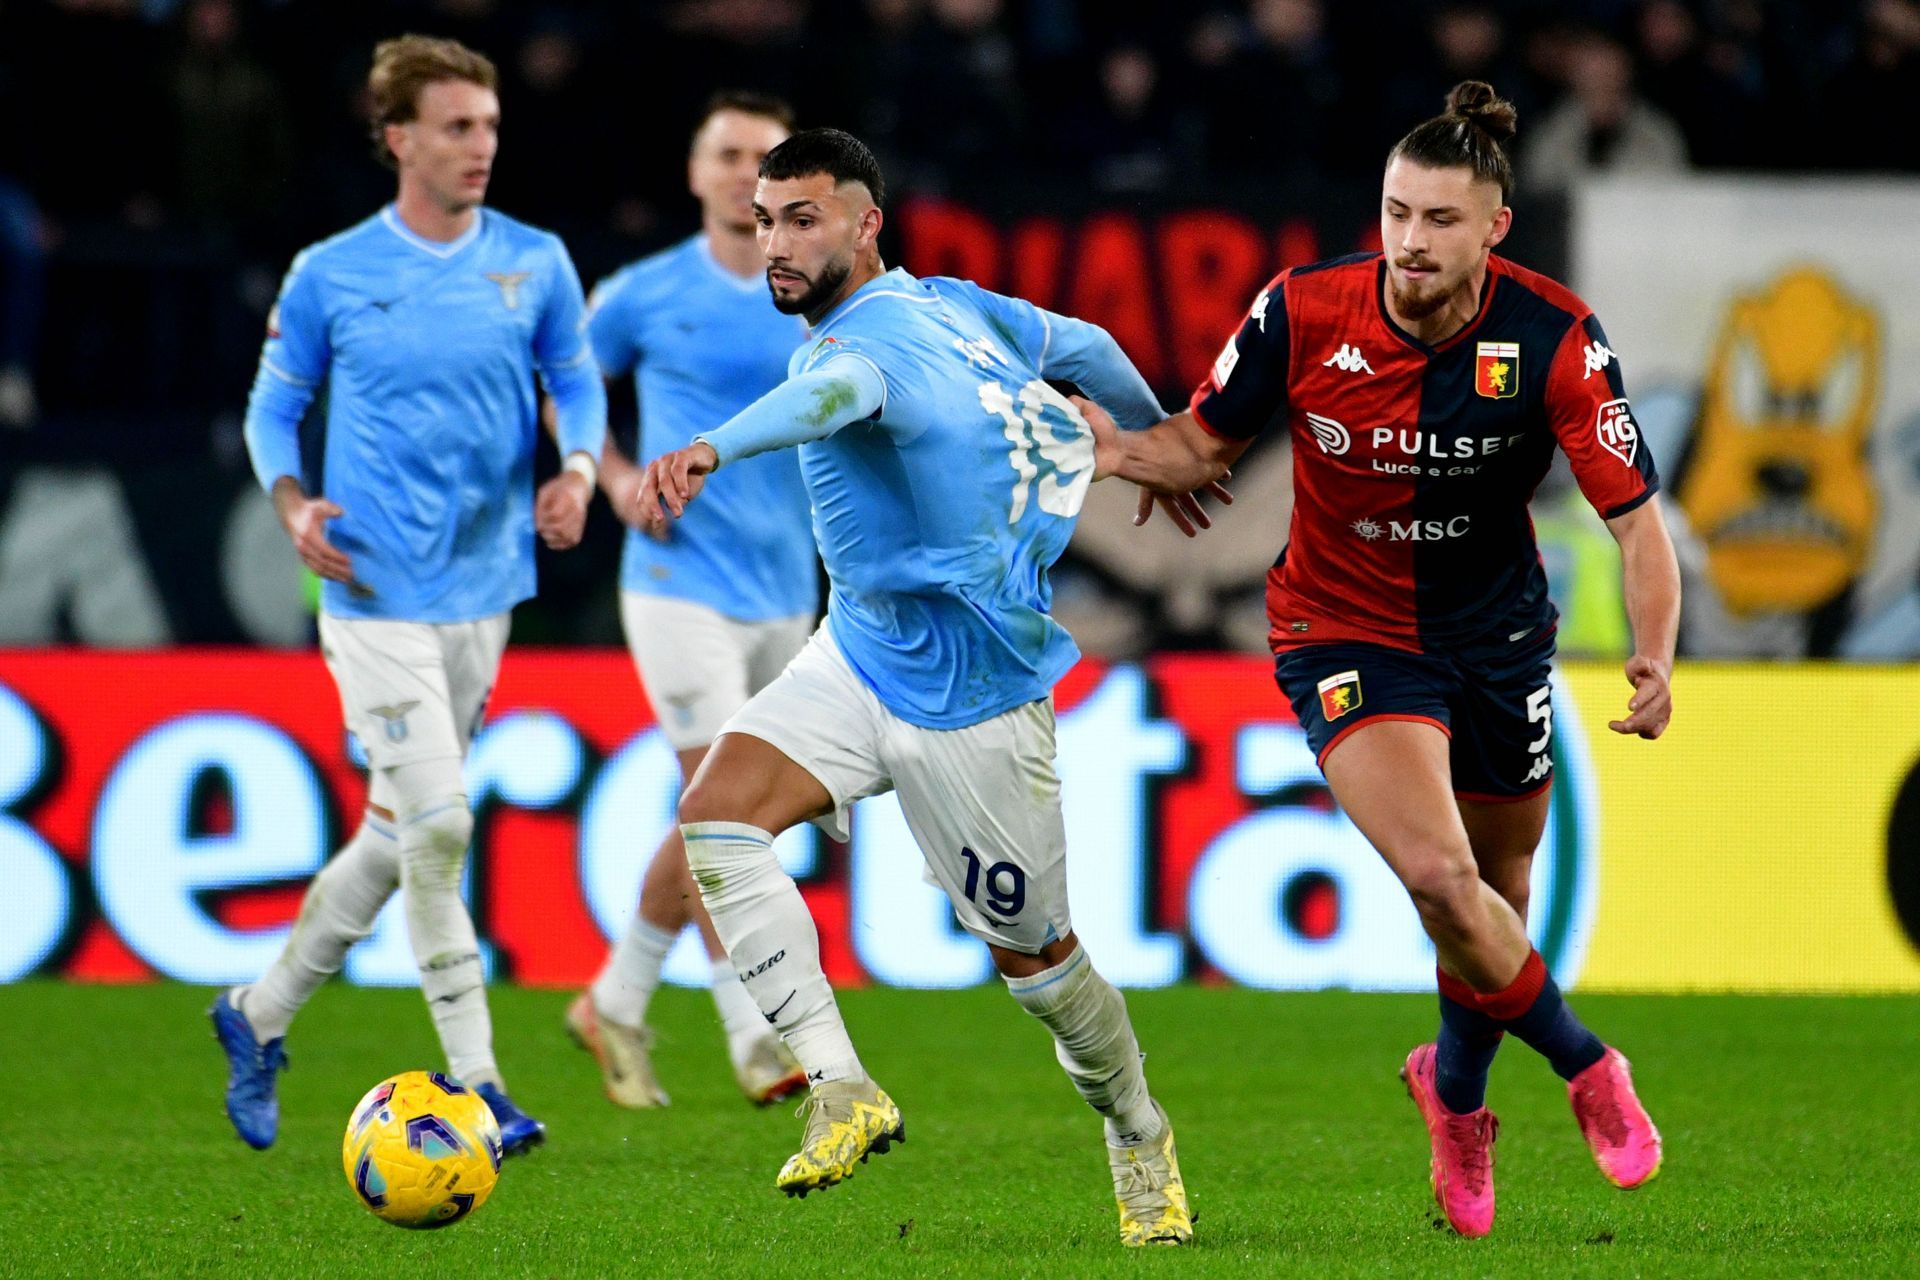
column 1747, row 849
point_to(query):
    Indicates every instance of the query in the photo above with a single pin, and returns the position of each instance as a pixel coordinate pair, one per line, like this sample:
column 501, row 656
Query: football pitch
column 1792, row 1129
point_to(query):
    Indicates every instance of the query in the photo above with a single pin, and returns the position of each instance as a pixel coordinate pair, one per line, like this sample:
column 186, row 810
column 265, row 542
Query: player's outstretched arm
column 1170, row 462
column 808, row 406
column 1650, row 578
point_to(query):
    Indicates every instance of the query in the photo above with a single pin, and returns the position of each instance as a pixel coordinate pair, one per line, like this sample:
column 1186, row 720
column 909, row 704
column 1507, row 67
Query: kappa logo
column 509, row 282
column 1542, row 766
column 1259, row 312
column 1348, row 357
column 1597, row 355
column 1328, row 434
column 396, row 719
column 1614, row 427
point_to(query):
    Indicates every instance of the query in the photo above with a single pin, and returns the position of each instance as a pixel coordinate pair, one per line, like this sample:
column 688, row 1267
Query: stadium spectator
column 1602, row 126
column 1127, row 137
column 233, row 145
column 1871, row 99
column 1711, row 87
column 1275, row 108
column 961, row 109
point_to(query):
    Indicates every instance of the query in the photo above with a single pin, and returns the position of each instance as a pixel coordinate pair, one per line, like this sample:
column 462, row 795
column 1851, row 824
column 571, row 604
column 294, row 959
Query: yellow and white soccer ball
column 422, row 1150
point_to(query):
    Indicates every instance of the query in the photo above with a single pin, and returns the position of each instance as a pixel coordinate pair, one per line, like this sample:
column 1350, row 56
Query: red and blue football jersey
column 1413, row 464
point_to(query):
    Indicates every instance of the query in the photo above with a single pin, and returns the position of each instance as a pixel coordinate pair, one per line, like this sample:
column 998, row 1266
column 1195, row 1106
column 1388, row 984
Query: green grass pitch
column 1792, row 1129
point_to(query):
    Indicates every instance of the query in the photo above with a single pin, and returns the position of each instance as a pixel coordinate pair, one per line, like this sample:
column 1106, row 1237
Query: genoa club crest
column 1496, row 370
column 1339, row 694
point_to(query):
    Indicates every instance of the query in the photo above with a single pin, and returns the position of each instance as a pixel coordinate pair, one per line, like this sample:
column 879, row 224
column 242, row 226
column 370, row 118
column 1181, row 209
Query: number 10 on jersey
column 1029, row 427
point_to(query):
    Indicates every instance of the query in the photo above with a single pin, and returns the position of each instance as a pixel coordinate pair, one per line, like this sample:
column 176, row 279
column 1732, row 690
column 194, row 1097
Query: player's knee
column 714, row 797
column 1446, row 892
column 433, row 843
column 342, row 902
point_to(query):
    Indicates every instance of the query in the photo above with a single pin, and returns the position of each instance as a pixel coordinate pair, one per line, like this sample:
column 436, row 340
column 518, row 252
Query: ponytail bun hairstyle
column 1472, row 133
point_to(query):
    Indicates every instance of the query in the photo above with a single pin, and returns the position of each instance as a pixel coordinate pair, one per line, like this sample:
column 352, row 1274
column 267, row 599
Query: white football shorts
column 983, row 802
column 413, row 691
column 699, row 666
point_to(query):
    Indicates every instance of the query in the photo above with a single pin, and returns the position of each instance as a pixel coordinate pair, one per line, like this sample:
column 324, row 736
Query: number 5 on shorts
column 1004, row 901
column 1539, row 707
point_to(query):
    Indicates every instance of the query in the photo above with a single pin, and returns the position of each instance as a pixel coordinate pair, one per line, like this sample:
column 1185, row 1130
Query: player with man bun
column 1425, row 389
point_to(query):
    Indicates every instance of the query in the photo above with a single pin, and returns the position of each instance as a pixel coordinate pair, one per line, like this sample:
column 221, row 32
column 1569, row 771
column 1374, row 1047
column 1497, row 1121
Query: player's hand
column 1652, row 703
column 620, row 481
column 560, row 510
column 305, row 520
column 1183, row 509
column 672, row 480
column 1108, row 452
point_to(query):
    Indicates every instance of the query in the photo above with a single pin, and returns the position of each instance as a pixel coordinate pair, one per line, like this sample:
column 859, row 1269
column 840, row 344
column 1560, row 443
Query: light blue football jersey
column 703, row 344
column 940, row 516
column 428, row 352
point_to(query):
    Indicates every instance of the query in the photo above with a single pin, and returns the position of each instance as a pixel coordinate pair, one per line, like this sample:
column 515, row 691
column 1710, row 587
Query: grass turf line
column 1790, row 1128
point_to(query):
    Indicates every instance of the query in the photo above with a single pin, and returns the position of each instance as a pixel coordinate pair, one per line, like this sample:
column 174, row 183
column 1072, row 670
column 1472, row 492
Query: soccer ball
column 422, row 1150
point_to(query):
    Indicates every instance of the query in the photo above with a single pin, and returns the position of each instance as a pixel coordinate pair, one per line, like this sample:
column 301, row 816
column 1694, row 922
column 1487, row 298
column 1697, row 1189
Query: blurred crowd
column 153, row 131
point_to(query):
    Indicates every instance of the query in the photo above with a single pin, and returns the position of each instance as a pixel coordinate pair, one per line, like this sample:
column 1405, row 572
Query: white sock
column 434, row 834
column 338, row 910
column 631, row 973
column 1094, row 1041
column 740, row 1017
column 761, row 918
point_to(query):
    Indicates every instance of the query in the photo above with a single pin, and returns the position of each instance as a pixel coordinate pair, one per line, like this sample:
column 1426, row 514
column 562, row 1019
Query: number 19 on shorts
column 1005, row 884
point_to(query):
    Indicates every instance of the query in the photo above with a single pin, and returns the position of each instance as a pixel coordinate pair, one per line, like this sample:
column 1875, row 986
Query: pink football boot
column 1462, row 1149
column 1625, row 1144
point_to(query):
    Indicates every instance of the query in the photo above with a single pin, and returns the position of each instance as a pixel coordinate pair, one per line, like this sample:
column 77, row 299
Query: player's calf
column 1095, row 1044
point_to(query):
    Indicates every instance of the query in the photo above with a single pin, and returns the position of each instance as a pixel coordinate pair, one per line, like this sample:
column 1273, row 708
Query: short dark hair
column 747, row 102
column 834, row 152
column 1472, row 133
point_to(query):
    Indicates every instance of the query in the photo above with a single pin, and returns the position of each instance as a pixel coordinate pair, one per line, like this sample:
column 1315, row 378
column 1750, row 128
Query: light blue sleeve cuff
column 808, row 406
column 580, row 406
column 272, row 427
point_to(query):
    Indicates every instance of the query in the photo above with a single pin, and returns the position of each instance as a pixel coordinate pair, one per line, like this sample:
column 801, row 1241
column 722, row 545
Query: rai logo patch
column 1614, row 428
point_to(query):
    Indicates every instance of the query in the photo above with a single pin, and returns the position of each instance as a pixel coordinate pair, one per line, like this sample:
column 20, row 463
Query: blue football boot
column 252, row 1068
column 519, row 1132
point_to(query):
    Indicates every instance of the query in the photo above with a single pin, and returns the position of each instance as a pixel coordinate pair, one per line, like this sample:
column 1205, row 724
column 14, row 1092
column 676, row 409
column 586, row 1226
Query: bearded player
column 946, row 475
column 1425, row 389
column 713, row 610
column 427, row 324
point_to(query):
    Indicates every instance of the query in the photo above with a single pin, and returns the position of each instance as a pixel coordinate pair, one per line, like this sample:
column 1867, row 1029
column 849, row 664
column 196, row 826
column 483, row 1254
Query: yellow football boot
column 1153, row 1200
column 847, row 1121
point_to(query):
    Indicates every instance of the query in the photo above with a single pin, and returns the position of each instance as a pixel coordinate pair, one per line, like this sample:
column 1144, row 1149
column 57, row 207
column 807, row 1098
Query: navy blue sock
column 1532, row 1008
column 1467, row 1042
